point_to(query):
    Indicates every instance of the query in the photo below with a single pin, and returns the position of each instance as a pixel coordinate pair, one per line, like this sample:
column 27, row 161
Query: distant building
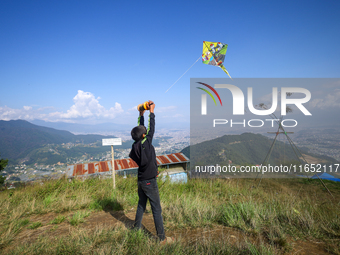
column 175, row 164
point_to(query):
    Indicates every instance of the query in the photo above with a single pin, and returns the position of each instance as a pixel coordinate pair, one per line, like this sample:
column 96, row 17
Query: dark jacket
column 143, row 152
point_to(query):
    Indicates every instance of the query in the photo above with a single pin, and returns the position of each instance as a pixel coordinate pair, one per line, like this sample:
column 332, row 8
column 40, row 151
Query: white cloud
column 85, row 106
column 26, row 113
column 329, row 100
column 132, row 109
column 27, row 108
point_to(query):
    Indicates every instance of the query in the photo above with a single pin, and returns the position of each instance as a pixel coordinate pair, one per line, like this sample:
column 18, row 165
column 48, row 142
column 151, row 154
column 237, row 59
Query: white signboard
column 112, row 141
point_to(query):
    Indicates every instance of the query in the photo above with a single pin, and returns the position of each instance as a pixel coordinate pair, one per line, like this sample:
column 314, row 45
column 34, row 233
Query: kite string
column 183, row 74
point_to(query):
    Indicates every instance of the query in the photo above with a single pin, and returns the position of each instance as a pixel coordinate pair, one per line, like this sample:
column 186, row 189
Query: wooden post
column 112, row 141
column 113, row 168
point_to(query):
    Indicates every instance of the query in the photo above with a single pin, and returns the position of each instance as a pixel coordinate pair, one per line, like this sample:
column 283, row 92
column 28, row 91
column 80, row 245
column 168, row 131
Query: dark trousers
column 148, row 189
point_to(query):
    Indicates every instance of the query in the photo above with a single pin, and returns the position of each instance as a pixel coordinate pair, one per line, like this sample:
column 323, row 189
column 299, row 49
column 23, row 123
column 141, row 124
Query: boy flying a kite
column 143, row 153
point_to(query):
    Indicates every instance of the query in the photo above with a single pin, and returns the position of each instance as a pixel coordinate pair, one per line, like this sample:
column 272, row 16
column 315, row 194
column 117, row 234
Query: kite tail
column 225, row 70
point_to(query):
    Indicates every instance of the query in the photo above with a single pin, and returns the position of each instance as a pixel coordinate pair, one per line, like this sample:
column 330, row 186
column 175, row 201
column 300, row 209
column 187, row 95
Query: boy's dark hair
column 137, row 132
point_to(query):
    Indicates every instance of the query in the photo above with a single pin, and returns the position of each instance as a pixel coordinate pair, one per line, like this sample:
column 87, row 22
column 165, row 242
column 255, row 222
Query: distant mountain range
column 104, row 128
column 19, row 137
column 21, row 140
column 84, row 128
column 247, row 148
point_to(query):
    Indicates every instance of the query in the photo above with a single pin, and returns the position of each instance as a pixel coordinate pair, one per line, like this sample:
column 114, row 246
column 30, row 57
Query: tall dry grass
column 277, row 210
column 122, row 241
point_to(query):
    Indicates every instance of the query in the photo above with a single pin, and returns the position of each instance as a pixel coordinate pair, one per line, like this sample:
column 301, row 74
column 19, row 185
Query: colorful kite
column 214, row 54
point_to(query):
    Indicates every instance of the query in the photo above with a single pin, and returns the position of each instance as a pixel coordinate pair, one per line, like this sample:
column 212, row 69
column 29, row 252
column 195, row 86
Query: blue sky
column 94, row 61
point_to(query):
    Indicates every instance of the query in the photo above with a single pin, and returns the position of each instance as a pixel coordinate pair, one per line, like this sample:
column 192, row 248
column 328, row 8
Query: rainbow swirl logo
column 209, row 93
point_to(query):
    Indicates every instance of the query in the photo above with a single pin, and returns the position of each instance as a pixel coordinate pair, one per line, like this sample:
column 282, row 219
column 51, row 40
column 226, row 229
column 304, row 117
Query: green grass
column 35, row 225
column 122, row 241
column 78, row 217
column 276, row 211
column 57, row 220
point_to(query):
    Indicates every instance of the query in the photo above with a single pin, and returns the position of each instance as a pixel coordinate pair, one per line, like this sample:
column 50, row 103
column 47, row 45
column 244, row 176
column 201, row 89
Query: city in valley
column 165, row 142
column 316, row 141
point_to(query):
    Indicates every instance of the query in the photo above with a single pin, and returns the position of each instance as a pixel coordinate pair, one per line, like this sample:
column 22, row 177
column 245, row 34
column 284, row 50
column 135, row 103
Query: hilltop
column 19, row 138
column 24, row 142
column 247, row 148
column 214, row 216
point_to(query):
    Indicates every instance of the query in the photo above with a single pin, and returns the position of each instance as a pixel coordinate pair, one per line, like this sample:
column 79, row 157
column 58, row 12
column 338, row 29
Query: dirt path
column 112, row 218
